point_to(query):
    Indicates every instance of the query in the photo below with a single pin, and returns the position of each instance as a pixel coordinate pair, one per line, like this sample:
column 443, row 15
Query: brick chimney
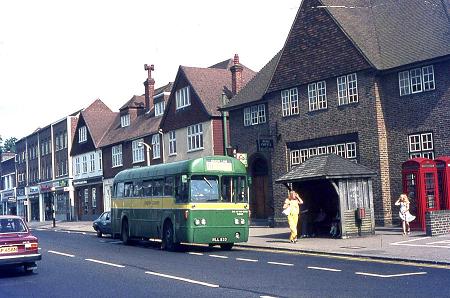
column 149, row 88
column 236, row 75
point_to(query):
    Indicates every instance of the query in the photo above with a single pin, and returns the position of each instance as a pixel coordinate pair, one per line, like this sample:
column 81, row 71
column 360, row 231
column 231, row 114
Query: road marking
column 217, row 256
column 183, row 279
column 247, row 260
column 40, row 229
column 324, row 269
column 282, row 264
column 105, row 263
column 390, row 275
column 72, row 232
column 267, row 297
column 116, row 242
column 195, row 253
column 60, row 253
column 445, row 242
column 411, row 240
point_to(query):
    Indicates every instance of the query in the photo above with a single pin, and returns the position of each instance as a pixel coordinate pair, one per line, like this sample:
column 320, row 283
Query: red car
column 17, row 246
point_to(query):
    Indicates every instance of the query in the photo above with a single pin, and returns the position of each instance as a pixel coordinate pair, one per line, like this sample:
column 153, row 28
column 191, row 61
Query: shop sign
column 61, row 183
column 20, row 192
column 265, row 144
column 33, row 190
column 8, row 193
column 46, row 187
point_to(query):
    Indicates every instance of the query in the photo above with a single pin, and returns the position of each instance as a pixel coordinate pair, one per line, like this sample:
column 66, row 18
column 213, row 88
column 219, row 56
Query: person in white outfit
column 404, row 214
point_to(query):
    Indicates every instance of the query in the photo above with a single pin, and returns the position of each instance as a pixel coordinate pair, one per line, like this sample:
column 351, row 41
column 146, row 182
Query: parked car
column 18, row 247
column 102, row 225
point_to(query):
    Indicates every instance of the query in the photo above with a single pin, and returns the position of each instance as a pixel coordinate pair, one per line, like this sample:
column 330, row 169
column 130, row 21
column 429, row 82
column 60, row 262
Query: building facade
column 353, row 82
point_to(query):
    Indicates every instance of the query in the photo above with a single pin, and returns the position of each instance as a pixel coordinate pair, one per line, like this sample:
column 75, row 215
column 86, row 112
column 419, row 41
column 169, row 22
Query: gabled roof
column 210, row 83
column 329, row 166
column 98, row 118
column 256, row 88
column 136, row 102
column 394, row 33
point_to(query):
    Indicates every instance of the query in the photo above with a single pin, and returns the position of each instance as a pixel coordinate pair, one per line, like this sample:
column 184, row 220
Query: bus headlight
column 237, row 235
column 197, row 222
column 203, row 221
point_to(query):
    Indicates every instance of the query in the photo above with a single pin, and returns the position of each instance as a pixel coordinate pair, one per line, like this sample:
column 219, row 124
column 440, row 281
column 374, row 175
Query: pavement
column 387, row 243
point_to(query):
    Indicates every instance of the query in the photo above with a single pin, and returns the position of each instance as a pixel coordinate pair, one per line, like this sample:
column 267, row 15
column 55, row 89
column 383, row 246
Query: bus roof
column 208, row 165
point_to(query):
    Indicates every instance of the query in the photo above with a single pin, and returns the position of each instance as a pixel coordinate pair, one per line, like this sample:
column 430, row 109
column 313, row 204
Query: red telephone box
column 419, row 178
column 443, row 171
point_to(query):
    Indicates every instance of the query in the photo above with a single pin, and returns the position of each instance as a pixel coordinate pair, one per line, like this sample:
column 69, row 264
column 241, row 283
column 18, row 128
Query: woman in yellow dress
column 293, row 202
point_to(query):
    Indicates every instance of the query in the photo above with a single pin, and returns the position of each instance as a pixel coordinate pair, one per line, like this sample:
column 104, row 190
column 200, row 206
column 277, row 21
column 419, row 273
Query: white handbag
column 287, row 211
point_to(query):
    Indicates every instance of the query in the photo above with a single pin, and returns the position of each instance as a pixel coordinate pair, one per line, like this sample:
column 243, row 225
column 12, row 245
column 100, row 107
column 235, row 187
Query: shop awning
column 330, row 166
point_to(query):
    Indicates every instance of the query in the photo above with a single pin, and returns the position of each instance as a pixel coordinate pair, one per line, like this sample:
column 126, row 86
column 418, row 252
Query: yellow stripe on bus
column 169, row 203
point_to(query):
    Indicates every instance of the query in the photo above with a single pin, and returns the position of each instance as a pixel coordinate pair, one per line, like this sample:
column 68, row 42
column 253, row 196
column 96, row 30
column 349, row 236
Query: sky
column 58, row 56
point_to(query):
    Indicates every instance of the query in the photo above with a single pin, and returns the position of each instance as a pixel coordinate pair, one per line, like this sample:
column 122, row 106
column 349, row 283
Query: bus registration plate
column 219, row 239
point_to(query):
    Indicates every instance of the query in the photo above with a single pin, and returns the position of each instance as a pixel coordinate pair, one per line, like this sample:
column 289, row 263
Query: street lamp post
column 147, row 148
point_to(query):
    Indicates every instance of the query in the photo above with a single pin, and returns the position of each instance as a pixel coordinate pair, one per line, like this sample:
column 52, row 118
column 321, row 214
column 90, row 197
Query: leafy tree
column 1, row 147
column 10, row 145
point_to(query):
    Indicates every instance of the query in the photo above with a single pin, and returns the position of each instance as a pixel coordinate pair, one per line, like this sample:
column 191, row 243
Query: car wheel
column 168, row 238
column 226, row 246
column 99, row 233
column 29, row 268
column 125, row 235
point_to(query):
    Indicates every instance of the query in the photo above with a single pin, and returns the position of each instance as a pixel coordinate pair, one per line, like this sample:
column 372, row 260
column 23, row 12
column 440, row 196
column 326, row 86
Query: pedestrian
column 293, row 203
column 404, row 213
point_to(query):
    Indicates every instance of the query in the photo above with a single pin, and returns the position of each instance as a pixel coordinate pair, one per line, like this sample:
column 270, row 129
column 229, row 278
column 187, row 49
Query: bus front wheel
column 168, row 238
column 125, row 234
column 226, row 246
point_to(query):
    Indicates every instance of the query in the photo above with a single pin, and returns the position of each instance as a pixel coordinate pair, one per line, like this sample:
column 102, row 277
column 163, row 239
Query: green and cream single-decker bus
column 203, row 200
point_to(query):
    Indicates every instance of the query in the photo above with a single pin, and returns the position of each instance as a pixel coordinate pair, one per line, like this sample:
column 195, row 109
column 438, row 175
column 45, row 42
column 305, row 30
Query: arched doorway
column 259, row 188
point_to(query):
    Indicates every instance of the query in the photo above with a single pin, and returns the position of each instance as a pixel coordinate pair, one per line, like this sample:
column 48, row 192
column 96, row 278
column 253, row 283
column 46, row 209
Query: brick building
column 367, row 80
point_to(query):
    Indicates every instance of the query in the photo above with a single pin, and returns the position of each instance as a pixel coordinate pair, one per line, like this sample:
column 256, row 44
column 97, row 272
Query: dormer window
column 159, row 108
column 82, row 134
column 125, row 120
column 182, row 98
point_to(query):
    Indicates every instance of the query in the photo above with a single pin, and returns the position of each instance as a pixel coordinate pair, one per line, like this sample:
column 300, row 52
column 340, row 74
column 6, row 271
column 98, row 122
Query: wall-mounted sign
column 33, row 190
column 265, row 144
column 243, row 158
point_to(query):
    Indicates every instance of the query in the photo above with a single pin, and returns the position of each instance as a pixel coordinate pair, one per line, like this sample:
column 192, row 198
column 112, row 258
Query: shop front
column 47, row 198
column 61, row 194
column 8, row 199
column 33, row 196
column 88, row 198
column 22, row 203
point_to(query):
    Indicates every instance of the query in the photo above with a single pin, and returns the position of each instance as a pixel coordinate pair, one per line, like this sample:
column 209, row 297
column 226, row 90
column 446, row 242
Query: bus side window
column 147, row 188
column 158, row 189
column 128, row 189
column 181, row 190
column 119, row 190
column 168, row 186
column 137, row 189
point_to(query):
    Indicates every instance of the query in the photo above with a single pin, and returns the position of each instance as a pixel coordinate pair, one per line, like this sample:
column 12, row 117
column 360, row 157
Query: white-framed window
column 416, row 80
column 289, row 102
column 322, row 150
column 421, row 145
column 91, row 162
column 331, row 149
column 116, row 152
column 100, row 161
column 172, row 143
column 156, row 146
column 84, row 164
column 347, row 89
column 312, row 152
column 77, row 166
column 195, row 137
column 340, row 150
column 82, row 136
column 295, row 157
column 317, row 96
column 255, row 115
column 304, row 155
column 94, row 197
column 86, row 196
column 125, row 120
column 138, row 151
column 159, row 108
column 182, row 98
column 351, row 150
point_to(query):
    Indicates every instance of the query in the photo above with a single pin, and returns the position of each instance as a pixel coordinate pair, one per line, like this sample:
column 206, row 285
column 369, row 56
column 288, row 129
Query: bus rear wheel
column 226, row 246
column 125, row 233
column 168, row 238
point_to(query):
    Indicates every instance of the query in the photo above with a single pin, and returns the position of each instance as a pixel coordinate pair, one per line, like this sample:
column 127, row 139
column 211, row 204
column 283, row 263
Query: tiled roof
column 210, row 83
column 329, row 166
column 98, row 118
column 257, row 86
column 137, row 101
column 395, row 33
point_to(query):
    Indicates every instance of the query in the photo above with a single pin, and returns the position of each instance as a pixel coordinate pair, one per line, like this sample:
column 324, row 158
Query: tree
column 10, row 145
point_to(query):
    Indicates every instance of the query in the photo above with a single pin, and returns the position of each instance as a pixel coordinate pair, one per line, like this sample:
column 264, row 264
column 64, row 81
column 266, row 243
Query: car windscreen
column 12, row 225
